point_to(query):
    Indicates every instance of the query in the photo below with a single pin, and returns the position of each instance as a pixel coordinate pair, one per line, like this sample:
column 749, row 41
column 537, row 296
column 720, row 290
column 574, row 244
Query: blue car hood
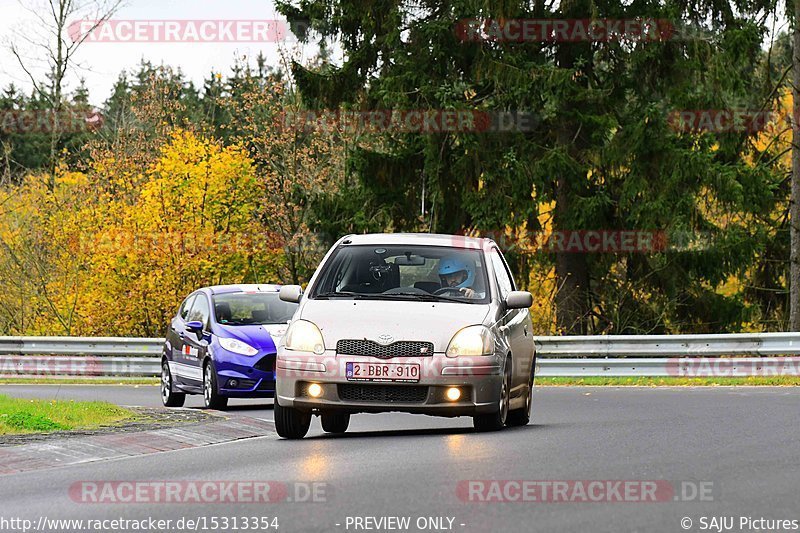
column 256, row 336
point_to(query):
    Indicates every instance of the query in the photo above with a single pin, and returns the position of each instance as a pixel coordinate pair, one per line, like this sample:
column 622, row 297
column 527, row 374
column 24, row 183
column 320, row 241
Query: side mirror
column 519, row 300
column 194, row 325
column 291, row 293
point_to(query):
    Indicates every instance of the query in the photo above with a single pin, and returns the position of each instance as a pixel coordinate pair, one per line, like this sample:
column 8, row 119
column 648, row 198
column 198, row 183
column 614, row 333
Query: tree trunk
column 573, row 304
column 572, row 273
column 794, row 206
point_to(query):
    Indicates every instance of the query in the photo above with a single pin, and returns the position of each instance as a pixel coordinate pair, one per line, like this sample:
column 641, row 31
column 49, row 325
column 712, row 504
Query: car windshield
column 424, row 273
column 247, row 308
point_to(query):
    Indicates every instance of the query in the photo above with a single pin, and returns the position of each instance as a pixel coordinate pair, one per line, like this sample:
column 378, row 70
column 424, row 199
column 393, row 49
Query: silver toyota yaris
column 417, row 323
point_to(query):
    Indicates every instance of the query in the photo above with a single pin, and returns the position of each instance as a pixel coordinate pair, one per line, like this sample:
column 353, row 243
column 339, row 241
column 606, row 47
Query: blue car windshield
column 249, row 308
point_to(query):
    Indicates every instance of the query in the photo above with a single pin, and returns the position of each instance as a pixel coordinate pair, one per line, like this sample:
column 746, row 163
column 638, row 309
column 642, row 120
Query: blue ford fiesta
column 221, row 344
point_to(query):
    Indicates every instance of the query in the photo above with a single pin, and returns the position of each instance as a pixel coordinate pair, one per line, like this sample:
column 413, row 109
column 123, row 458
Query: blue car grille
column 373, row 349
column 266, row 363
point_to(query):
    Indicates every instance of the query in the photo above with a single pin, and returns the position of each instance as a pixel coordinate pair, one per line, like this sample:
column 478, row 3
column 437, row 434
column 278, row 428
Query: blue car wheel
column 168, row 397
column 211, row 395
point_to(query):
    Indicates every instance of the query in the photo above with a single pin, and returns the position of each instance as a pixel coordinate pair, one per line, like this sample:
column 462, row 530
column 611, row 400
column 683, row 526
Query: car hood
column 257, row 336
column 409, row 321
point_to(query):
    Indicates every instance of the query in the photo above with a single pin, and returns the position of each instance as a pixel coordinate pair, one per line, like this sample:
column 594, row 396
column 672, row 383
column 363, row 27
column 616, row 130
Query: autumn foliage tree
column 163, row 205
column 296, row 164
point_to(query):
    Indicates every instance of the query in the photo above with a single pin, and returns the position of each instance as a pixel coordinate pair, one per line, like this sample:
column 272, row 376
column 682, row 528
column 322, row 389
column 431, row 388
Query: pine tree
column 602, row 154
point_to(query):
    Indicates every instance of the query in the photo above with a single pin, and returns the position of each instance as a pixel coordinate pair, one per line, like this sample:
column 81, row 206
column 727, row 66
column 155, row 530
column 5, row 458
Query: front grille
column 266, row 363
column 383, row 393
column 373, row 349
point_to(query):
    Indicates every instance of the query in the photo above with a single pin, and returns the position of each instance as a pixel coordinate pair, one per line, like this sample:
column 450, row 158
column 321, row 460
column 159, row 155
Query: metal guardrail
column 97, row 346
column 64, row 366
column 580, row 356
column 674, row 367
column 732, row 344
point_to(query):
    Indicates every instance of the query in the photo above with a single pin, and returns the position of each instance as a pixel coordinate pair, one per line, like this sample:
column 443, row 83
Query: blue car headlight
column 237, row 346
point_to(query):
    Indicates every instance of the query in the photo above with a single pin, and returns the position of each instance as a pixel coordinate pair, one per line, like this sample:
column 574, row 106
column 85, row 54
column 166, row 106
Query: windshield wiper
column 422, row 297
column 337, row 294
column 392, row 296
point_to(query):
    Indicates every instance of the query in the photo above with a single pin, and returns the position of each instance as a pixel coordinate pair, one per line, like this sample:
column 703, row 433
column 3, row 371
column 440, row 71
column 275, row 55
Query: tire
column 521, row 417
column 335, row 422
column 496, row 420
column 291, row 423
column 168, row 397
column 211, row 396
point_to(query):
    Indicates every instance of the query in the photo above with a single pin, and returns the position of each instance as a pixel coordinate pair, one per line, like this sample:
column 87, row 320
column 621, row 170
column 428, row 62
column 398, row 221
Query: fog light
column 232, row 383
column 453, row 394
column 315, row 390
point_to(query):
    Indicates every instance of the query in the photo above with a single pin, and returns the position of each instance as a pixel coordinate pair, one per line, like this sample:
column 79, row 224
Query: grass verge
column 19, row 415
column 764, row 381
column 79, row 381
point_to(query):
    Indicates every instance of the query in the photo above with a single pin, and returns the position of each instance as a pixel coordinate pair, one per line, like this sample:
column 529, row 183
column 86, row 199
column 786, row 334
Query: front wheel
column 291, row 423
column 335, row 422
column 169, row 398
column 211, row 396
column 495, row 421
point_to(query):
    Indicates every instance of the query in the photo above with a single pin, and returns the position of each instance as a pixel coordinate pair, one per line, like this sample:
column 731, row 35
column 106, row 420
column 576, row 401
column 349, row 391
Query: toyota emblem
column 385, row 339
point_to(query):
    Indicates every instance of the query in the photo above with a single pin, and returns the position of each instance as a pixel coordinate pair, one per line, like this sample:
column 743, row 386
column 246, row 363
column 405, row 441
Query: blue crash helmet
column 451, row 265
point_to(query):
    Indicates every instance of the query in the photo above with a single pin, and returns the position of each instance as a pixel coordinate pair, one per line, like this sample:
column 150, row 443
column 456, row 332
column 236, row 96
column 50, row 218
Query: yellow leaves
column 778, row 130
column 731, row 286
column 72, row 179
column 546, row 216
column 122, row 247
column 542, row 285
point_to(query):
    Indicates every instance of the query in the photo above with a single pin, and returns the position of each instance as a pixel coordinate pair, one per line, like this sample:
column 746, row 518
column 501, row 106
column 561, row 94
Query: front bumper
column 254, row 376
column 478, row 378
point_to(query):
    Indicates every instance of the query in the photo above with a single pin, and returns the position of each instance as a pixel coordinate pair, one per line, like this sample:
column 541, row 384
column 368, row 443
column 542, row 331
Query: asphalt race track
column 744, row 443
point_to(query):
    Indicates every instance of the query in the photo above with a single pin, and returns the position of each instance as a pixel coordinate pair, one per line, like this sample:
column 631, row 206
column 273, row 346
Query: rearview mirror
column 291, row 293
column 519, row 300
column 409, row 260
column 194, row 325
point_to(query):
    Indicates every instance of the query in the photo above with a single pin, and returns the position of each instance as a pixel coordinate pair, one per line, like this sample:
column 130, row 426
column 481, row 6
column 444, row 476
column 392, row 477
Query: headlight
column 304, row 336
column 472, row 340
column 237, row 346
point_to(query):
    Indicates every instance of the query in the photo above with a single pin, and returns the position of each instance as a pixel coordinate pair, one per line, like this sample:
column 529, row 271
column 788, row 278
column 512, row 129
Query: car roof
column 243, row 287
column 424, row 239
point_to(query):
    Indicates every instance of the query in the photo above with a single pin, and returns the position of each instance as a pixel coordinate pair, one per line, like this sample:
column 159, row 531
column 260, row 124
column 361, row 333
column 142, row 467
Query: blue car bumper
column 240, row 376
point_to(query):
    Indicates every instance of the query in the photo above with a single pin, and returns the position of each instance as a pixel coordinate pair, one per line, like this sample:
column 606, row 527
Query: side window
column 504, row 280
column 187, row 304
column 199, row 310
column 507, row 270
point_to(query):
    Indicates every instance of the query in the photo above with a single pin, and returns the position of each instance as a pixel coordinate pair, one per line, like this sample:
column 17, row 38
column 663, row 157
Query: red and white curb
column 75, row 450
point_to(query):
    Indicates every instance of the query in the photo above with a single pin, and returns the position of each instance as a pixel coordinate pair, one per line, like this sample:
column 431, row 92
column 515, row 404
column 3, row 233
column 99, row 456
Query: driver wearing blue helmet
column 458, row 275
